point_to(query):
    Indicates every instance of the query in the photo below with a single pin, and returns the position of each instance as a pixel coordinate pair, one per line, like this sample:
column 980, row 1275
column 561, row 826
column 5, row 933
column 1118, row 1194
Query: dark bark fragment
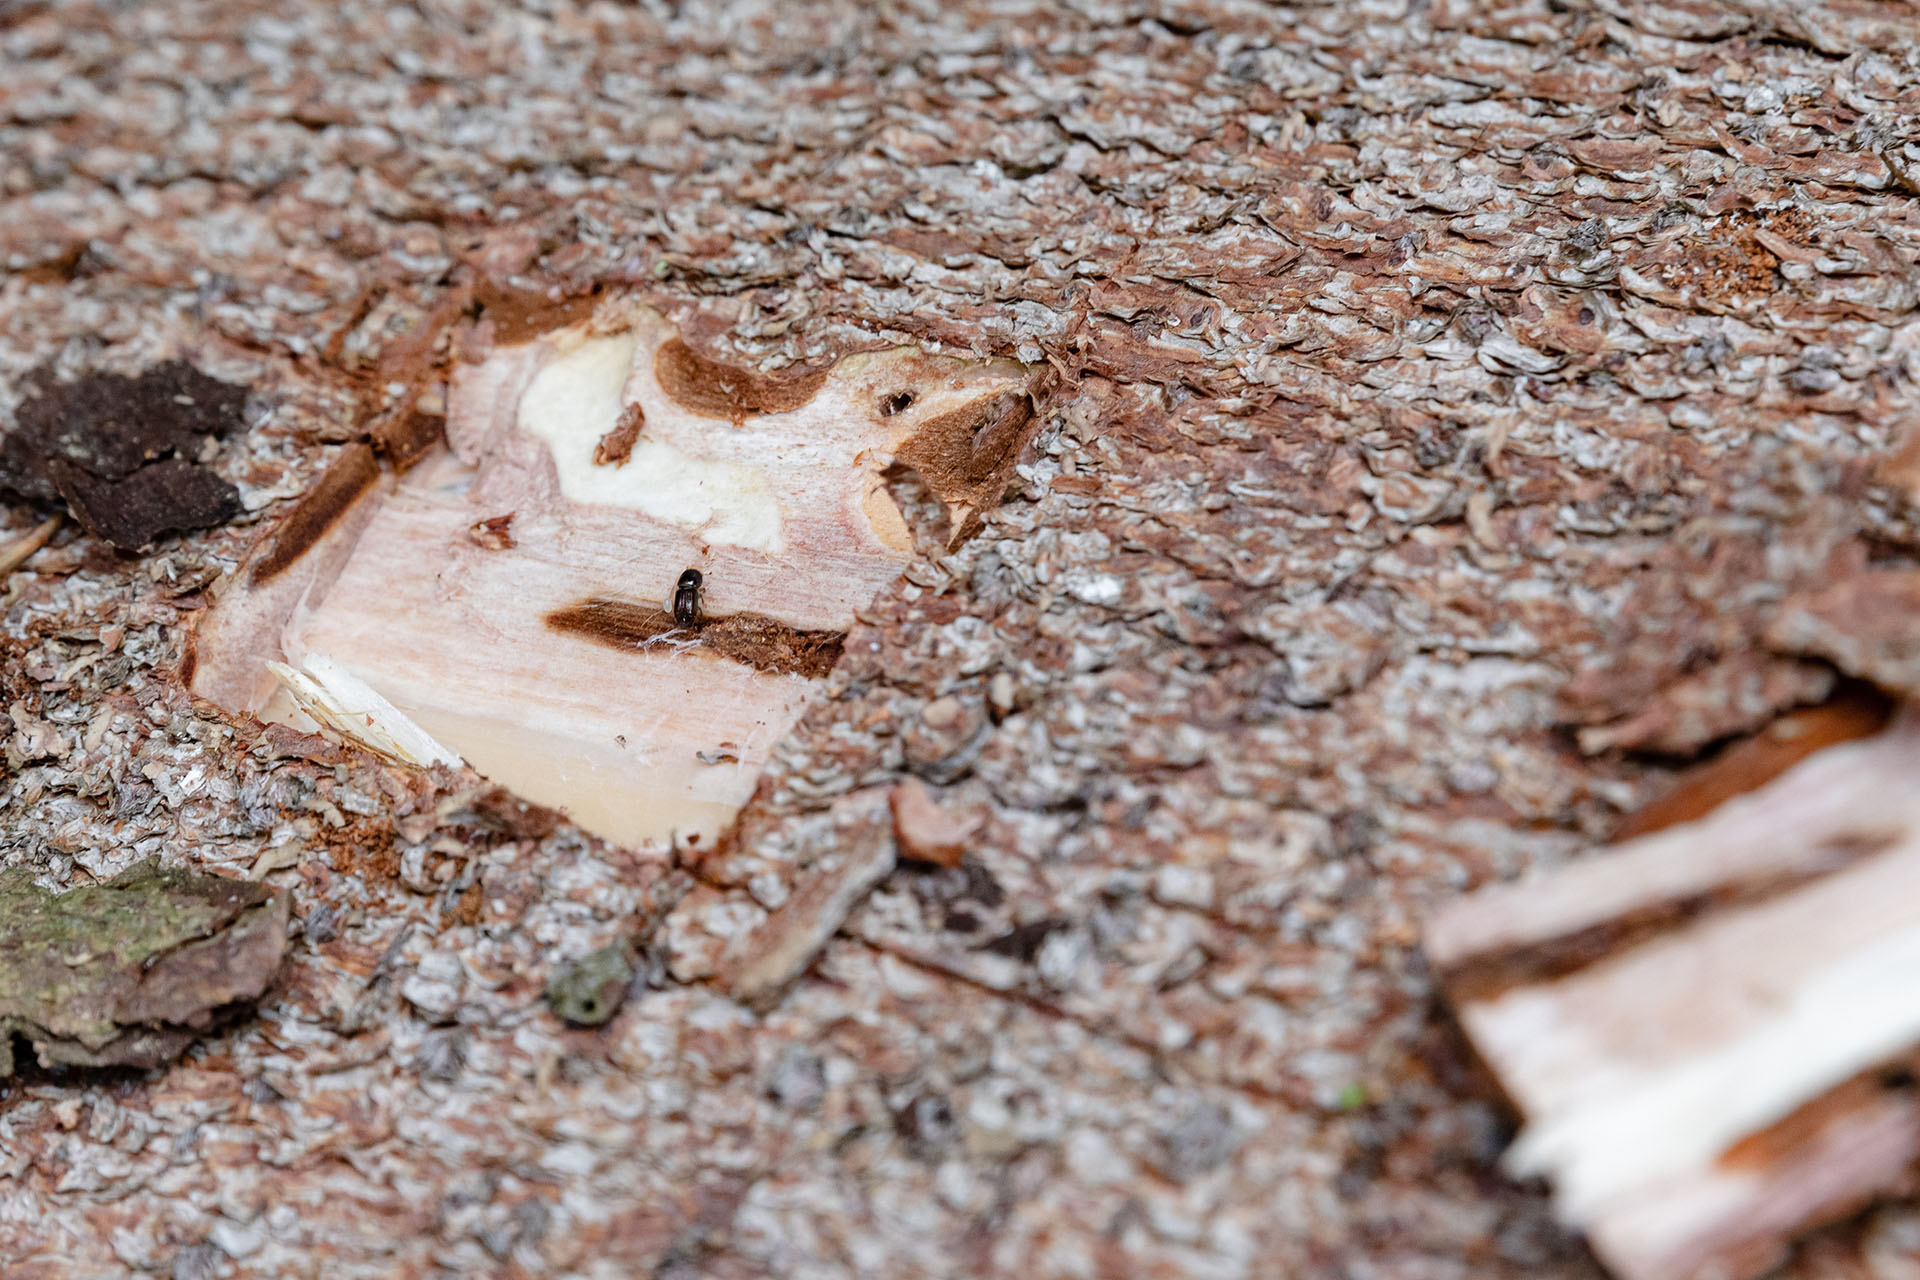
column 116, row 449
column 168, row 496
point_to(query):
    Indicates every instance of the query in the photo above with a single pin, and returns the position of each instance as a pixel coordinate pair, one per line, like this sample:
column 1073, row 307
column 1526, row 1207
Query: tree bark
column 1424, row 384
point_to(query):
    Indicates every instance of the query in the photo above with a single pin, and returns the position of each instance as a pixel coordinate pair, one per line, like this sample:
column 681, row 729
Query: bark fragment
column 22, row 548
column 1728, row 698
column 167, row 496
column 121, row 451
column 926, row 832
column 616, row 446
column 768, row 960
column 130, row 971
column 1867, row 624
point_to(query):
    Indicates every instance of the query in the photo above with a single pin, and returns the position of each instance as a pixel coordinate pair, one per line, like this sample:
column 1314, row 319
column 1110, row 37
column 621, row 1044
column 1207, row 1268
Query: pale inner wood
column 785, row 514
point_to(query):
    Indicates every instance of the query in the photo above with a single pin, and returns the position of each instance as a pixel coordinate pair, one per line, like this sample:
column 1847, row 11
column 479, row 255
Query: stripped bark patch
column 518, row 599
column 722, row 391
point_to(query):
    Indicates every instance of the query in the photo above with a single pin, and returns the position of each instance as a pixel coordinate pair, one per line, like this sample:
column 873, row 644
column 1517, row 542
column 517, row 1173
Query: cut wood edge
column 1764, row 842
column 1695, row 1024
column 1739, row 1217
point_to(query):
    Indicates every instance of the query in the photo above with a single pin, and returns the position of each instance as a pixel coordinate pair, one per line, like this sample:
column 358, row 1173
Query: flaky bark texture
column 1430, row 382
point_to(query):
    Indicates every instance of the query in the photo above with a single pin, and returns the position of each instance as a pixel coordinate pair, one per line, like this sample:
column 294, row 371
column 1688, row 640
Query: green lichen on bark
column 129, row 971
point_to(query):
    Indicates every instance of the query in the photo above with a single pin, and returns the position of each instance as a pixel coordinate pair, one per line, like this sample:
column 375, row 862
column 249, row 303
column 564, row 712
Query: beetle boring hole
column 895, row 403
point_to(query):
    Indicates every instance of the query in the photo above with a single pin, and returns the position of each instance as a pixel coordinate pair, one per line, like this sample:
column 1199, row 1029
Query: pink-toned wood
column 546, row 658
column 1702, row 1027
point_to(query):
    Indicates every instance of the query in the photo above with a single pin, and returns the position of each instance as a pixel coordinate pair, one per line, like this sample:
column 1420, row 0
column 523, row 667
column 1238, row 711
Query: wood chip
column 1695, row 1024
column 924, row 830
column 21, row 549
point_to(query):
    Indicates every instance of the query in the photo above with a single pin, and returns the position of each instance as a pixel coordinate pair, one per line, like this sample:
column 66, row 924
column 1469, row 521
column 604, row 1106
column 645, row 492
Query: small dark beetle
column 686, row 599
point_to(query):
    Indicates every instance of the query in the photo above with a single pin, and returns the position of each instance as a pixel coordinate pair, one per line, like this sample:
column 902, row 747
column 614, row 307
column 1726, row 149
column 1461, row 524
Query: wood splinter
column 23, row 548
column 410, row 614
column 1711, row 1031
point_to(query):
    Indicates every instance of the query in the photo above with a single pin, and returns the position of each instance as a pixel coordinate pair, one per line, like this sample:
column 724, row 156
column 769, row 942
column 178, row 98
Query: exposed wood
column 1750, row 763
column 1657, row 1010
column 552, row 658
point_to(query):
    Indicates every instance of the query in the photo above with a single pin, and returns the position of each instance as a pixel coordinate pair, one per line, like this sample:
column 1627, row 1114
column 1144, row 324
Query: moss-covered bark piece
column 129, row 971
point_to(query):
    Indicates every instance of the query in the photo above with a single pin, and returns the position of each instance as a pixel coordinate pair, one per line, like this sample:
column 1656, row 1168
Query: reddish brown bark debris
column 617, row 445
column 352, row 471
column 924, row 831
column 495, row 533
column 727, row 391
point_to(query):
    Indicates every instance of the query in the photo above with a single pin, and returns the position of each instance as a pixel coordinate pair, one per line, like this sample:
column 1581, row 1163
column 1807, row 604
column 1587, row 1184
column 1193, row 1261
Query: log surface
column 1427, row 384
